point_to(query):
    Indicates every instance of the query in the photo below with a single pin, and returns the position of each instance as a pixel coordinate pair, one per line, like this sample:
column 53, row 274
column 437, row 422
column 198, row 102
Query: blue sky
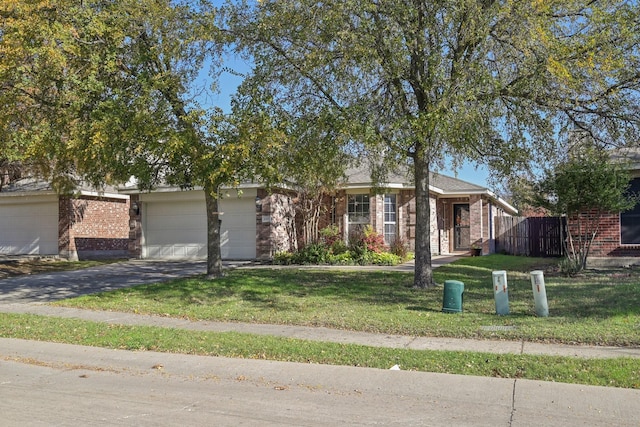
column 228, row 84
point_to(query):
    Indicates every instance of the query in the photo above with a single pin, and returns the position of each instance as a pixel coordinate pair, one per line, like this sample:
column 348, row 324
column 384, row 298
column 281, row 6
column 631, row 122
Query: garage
column 174, row 225
column 28, row 225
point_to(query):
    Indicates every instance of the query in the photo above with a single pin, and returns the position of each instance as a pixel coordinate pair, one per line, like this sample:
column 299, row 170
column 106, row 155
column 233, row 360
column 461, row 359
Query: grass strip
column 597, row 308
column 623, row 372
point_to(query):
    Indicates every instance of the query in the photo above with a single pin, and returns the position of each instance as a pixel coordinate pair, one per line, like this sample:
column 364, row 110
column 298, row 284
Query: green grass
column 601, row 308
column 622, row 372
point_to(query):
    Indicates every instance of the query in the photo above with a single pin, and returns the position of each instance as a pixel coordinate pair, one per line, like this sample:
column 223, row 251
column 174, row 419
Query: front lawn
column 599, row 307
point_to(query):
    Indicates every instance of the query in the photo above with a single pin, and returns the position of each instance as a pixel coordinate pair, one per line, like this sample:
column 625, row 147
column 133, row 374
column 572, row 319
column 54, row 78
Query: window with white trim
column 358, row 209
column 390, row 218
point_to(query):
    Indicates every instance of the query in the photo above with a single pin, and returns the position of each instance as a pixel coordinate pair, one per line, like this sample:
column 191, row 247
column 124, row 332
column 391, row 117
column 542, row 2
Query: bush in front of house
column 365, row 248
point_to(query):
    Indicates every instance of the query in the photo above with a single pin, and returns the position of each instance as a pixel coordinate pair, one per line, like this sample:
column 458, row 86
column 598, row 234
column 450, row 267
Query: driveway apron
column 68, row 284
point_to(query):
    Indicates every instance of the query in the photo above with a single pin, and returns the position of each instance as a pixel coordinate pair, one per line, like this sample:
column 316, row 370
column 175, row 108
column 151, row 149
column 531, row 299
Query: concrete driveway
column 49, row 287
column 68, row 284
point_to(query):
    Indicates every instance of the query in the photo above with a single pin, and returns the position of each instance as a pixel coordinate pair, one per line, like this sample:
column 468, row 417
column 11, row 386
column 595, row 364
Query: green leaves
column 588, row 181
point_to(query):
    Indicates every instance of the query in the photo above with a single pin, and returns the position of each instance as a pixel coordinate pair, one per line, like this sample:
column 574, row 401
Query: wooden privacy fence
column 534, row 236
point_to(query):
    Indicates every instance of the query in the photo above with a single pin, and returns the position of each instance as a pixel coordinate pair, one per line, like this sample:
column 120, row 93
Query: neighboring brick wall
column 444, row 223
column 607, row 241
column 93, row 227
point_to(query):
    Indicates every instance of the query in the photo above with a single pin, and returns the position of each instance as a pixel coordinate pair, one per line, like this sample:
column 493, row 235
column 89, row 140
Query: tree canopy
column 420, row 82
column 583, row 187
column 105, row 90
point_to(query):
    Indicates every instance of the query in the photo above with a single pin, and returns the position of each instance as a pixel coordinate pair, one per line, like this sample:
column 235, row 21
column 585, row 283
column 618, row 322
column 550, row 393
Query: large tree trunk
column 214, row 258
column 423, row 270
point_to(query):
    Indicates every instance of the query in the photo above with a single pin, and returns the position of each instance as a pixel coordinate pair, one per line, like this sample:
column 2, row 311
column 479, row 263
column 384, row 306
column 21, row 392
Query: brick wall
column 407, row 218
column 275, row 225
column 476, row 219
column 93, row 227
column 607, row 241
column 135, row 227
column 376, row 203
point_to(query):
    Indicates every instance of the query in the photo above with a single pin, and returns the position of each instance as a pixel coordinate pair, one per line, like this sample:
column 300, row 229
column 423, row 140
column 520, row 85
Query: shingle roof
column 33, row 185
column 362, row 176
column 628, row 154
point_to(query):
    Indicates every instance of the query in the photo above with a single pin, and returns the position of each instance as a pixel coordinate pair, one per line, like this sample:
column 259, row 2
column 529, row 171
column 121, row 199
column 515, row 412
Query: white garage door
column 175, row 226
column 29, row 227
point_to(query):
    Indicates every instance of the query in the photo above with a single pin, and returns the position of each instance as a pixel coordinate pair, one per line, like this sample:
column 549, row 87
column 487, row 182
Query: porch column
column 476, row 221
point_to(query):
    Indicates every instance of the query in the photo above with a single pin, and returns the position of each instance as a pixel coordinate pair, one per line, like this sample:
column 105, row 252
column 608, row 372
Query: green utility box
column 452, row 296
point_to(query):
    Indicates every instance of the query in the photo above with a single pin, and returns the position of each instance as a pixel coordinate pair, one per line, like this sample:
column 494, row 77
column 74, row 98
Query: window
column 630, row 220
column 358, row 209
column 390, row 216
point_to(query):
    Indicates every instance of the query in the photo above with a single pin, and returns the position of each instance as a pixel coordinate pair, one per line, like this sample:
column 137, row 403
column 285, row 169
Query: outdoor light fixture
column 258, row 204
column 135, row 208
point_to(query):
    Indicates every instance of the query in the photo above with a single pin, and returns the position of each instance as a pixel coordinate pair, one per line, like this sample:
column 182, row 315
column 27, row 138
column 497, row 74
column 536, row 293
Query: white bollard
column 539, row 293
column 501, row 292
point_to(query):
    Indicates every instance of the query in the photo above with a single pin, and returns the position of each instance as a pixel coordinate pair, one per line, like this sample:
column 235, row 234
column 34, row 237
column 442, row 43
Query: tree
column 112, row 86
column 315, row 164
column 584, row 188
column 419, row 81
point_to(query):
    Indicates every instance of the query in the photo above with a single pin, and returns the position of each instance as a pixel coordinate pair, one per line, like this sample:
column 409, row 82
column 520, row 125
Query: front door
column 461, row 227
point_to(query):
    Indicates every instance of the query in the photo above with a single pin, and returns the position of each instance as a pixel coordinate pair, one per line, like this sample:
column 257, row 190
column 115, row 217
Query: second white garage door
column 175, row 226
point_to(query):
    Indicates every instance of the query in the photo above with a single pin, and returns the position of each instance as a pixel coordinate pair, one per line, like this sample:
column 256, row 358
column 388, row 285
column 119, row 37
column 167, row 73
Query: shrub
column 570, row 266
column 330, row 235
column 344, row 258
column 373, row 241
column 284, row 258
column 366, row 247
column 339, row 247
column 315, row 253
column 399, row 248
column 382, row 258
column 366, row 239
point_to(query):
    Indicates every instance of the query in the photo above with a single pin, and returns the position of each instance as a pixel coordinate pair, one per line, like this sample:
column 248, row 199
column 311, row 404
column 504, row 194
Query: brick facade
column 93, row 227
column 135, row 227
column 279, row 227
column 275, row 224
column 407, row 218
column 607, row 241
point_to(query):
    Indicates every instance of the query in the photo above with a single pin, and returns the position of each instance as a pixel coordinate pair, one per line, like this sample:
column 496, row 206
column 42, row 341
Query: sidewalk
column 330, row 335
column 43, row 384
column 28, row 294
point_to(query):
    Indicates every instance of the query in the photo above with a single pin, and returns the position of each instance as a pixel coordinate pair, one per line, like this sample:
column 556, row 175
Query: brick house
column 618, row 240
column 462, row 214
column 169, row 223
column 34, row 220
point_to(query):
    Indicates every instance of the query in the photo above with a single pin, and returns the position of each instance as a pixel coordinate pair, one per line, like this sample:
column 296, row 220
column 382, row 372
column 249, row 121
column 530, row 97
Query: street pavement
column 44, row 384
